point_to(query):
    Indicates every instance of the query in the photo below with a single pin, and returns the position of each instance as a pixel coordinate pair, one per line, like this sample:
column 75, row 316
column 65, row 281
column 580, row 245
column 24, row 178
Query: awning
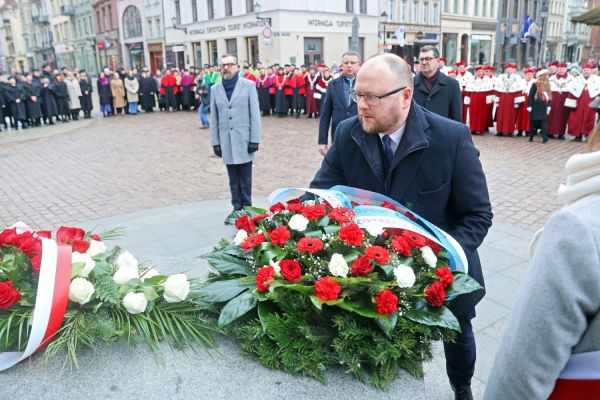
column 591, row 17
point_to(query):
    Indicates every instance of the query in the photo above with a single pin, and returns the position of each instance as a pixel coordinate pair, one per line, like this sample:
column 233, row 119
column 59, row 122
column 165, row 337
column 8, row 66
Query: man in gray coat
column 235, row 129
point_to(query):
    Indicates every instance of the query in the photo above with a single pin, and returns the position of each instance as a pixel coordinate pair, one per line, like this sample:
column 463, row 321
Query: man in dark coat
column 5, row 106
column 49, row 108
column 148, row 91
column 428, row 163
column 337, row 105
column 15, row 97
column 435, row 91
column 33, row 92
column 61, row 96
column 85, row 100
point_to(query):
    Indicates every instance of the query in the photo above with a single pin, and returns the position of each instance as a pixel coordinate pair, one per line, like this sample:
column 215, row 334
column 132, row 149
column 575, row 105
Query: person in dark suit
column 435, row 91
column 337, row 104
column 426, row 162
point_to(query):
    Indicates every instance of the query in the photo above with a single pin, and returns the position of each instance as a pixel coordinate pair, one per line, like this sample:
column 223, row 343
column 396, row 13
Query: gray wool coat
column 557, row 310
column 235, row 123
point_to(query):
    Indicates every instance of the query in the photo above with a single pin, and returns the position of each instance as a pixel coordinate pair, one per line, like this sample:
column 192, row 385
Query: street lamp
column 257, row 8
column 543, row 15
column 384, row 18
column 175, row 23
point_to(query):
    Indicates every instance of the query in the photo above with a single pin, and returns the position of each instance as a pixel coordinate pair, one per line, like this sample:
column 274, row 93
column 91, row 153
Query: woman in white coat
column 132, row 87
column 74, row 91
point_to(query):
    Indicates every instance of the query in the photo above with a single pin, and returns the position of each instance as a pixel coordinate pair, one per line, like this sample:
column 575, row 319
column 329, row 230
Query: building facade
column 38, row 33
column 61, row 12
column 198, row 32
column 84, row 36
column 577, row 46
column 108, row 47
column 12, row 36
column 155, row 34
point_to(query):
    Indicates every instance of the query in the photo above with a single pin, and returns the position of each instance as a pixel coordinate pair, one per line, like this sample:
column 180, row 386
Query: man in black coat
column 429, row 164
column 148, row 91
column 15, row 98
column 435, row 91
column 337, row 105
column 33, row 91
column 85, row 100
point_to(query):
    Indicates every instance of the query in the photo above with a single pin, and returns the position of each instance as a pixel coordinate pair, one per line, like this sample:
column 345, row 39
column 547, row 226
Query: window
column 493, row 9
column 426, row 13
column 435, row 18
column 99, row 21
column 231, row 46
column 485, row 5
column 210, row 9
column 132, row 23
column 178, row 12
column 446, row 9
column 476, row 11
column 404, row 10
column 194, row 10
column 415, row 12
column 392, row 10
column 350, row 6
column 228, row 8
column 249, row 8
column 455, row 8
column 466, row 7
column 363, row 6
column 110, row 23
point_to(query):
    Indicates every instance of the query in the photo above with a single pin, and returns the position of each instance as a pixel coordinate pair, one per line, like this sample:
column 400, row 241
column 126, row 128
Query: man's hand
column 323, row 149
column 528, row 109
column 217, row 150
column 252, row 147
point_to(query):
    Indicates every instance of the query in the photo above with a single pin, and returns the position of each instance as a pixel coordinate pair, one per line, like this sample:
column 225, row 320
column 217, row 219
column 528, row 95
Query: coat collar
column 236, row 91
column 440, row 84
column 415, row 138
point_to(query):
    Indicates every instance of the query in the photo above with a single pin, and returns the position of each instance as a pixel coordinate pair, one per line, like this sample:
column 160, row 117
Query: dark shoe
column 531, row 139
column 545, row 141
column 463, row 394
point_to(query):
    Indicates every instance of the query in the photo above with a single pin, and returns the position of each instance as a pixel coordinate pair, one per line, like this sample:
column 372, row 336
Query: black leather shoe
column 463, row 394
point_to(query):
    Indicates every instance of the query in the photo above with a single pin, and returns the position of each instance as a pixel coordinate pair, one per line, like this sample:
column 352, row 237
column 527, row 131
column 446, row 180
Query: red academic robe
column 312, row 105
column 523, row 122
column 559, row 114
column 581, row 119
column 506, row 114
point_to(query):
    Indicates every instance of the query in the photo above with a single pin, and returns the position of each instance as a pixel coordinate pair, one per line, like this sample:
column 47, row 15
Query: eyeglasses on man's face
column 373, row 100
column 228, row 65
column 426, row 59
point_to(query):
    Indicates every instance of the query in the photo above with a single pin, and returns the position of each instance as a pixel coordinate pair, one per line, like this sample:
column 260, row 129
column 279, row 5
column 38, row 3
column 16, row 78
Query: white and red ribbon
column 51, row 301
column 580, row 379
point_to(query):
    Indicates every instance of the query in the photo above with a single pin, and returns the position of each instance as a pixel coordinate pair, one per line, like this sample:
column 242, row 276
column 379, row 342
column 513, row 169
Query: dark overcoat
column 86, row 99
column 49, row 108
column 444, row 99
column 335, row 109
column 34, row 108
column 148, row 91
column 539, row 107
column 104, row 93
column 17, row 110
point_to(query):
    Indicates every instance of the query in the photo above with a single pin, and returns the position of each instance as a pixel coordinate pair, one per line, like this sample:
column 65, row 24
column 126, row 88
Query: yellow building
column 12, row 37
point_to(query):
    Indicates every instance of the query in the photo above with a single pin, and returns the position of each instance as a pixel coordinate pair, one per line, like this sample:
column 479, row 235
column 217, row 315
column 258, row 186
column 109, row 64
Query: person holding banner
column 551, row 343
column 397, row 148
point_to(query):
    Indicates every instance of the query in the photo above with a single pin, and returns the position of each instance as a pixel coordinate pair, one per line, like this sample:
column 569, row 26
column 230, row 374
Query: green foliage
column 106, row 290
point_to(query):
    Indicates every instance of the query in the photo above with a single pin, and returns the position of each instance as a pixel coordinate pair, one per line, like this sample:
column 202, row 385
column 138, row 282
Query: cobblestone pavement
column 92, row 169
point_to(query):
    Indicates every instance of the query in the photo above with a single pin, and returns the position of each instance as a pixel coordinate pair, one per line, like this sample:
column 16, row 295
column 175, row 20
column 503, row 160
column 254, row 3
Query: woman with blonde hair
column 551, row 343
column 538, row 105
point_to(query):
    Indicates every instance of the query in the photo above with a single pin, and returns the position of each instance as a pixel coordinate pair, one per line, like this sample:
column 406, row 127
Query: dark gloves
column 217, row 150
column 252, row 147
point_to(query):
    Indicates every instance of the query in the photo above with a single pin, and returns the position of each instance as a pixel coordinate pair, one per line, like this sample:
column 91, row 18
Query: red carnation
column 80, row 246
column 8, row 295
column 32, row 247
column 290, row 270
column 66, row 234
column 295, row 207
column 361, row 266
column 93, row 236
column 244, row 223
column 257, row 218
column 445, row 275
column 314, row 212
column 388, row 205
column 327, row 289
column 434, row 246
column 435, row 294
column 8, row 236
column 401, row 245
column 310, row 245
column 264, row 277
column 414, row 238
column 341, row 215
column 278, row 207
column 253, row 241
column 387, row 302
column 352, row 235
column 378, row 254
column 44, row 234
column 280, row 235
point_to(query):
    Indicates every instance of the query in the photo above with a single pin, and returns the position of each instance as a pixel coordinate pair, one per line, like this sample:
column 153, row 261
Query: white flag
column 400, row 35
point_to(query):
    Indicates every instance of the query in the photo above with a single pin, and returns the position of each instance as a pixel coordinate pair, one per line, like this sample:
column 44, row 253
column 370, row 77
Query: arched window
column 132, row 23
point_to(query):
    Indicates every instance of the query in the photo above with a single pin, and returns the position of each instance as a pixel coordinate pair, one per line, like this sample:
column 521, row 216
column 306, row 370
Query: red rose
column 21, row 238
column 341, row 215
column 290, row 270
column 44, row 234
column 66, row 234
column 352, row 235
column 93, row 236
column 387, row 302
column 244, row 223
column 435, row 294
column 327, row 289
column 80, row 246
column 415, row 239
column 280, row 235
column 401, row 245
column 361, row 266
column 8, row 295
column 279, row 207
column 264, row 277
column 445, row 275
column 378, row 254
column 32, row 248
column 314, row 212
column 389, row 206
column 253, row 241
column 295, row 207
column 8, row 236
column 434, row 246
column 309, row 245
column 36, row 262
column 257, row 218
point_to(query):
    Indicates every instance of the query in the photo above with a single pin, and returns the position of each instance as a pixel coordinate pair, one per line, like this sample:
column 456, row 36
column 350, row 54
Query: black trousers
column 538, row 124
column 461, row 355
column 240, row 184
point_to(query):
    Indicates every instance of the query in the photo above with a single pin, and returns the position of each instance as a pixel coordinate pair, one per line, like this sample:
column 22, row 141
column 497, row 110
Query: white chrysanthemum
column 428, row 256
column 276, row 267
column 240, row 237
column 84, row 258
column 405, row 276
column 298, row 223
column 80, row 290
column 338, row 266
column 373, row 228
column 96, row 247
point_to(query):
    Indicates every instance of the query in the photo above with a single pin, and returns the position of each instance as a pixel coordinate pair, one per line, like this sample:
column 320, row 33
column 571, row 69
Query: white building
column 198, row 32
column 578, row 35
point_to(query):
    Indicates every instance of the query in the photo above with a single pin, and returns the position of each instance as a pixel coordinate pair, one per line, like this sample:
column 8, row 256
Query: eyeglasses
column 373, row 101
column 228, row 65
column 427, row 59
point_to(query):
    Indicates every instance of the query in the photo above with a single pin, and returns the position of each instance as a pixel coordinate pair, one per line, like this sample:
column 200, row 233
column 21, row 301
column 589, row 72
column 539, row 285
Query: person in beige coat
column 132, row 85
column 74, row 91
column 118, row 93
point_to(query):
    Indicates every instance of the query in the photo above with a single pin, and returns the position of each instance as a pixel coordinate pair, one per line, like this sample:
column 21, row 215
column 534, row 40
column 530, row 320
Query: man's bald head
column 391, row 65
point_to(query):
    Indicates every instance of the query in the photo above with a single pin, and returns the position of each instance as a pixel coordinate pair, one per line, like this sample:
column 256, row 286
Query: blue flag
column 526, row 27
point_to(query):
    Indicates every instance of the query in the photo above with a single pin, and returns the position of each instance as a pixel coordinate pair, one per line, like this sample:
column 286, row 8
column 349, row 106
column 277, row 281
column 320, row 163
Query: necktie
column 350, row 85
column 387, row 149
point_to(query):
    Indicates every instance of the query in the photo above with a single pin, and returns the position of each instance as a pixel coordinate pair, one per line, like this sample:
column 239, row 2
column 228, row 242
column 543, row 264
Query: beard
column 375, row 126
column 227, row 76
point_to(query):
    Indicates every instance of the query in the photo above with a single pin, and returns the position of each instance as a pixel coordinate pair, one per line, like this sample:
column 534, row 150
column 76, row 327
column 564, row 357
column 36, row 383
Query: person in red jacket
column 168, row 88
column 298, row 84
column 288, row 89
